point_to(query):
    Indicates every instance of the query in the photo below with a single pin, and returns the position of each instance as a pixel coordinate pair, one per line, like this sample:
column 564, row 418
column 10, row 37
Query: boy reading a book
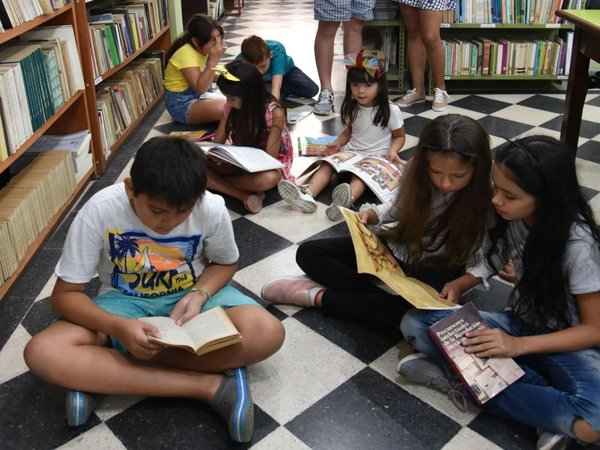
column 162, row 246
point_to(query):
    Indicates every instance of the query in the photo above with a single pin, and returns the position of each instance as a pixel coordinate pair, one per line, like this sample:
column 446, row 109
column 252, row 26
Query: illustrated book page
column 374, row 258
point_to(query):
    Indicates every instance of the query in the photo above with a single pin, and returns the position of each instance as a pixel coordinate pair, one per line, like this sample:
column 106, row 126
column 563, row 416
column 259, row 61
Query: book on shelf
column 374, row 258
column 78, row 143
column 208, row 331
column 15, row 108
column 248, row 158
column 314, row 145
column 484, row 377
column 377, row 172
column 66, row 36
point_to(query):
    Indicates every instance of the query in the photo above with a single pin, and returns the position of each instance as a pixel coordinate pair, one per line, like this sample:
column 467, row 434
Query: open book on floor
column 208, row 331
column 485, row 377
column 378, row 173
column 374, row 258
column 248, row 158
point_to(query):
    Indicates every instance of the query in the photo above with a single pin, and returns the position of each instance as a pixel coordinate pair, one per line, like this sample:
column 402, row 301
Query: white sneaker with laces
column 324, row 105
column 296, row 196
column 440, row 100
column 410, row 98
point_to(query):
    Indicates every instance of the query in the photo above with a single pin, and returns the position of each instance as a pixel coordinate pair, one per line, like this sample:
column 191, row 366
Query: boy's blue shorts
column 178, row 103
column 120, row 304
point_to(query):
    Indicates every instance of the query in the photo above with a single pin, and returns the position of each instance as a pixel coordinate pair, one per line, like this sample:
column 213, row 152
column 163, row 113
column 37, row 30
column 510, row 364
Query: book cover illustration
column 374, row 258
column 314, row 145
column 484, row 377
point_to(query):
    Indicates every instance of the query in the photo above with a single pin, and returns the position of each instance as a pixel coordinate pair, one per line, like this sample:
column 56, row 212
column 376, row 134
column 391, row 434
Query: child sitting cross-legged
column 162, row 246
column 374, row 127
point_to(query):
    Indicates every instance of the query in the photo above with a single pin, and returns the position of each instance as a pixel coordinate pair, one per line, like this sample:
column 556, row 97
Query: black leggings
column 353, row 296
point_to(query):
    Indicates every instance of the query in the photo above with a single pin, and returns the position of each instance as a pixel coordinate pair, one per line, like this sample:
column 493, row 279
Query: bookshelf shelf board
column 47, row 231
column 506, row 77
column 12, row 33
column 508, row 26
column 40, row 131
column 106, row 75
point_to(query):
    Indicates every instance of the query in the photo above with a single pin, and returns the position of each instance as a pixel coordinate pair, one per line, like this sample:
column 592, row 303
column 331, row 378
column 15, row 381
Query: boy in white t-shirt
column 162, row 246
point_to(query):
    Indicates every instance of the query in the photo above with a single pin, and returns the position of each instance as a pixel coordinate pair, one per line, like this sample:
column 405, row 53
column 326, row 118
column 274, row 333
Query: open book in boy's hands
column 374, row 258
column 208, row 331
column 248, row 158
column 485, row 377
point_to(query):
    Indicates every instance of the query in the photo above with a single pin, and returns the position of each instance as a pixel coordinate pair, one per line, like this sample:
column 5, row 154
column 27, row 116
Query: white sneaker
column 324, row 105
column 410, row 98
column 440, row 100
column 547, row 440
column 296, row 196
column 341, row 196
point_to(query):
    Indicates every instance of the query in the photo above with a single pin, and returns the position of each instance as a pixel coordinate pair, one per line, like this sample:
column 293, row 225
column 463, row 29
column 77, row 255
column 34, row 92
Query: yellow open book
column 374, row 258
column 208, row 331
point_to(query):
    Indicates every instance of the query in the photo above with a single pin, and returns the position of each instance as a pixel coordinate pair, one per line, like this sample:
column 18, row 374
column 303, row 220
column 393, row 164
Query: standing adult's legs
column 430, row 22
column 352, row 36
column 324, row 52
column 416, row 52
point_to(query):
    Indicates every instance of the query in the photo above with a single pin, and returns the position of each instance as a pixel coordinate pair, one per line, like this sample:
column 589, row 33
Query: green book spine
column 35, row 110
column 53, row 78
column 42, row 79
column 112, row 48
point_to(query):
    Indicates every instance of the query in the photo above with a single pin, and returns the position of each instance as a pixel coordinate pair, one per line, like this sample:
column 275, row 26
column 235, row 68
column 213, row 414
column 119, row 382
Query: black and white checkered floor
column 333, row 385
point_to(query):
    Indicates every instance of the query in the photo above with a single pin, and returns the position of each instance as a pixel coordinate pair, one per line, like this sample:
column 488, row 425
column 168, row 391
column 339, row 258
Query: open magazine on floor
column 374, row 258
column 248, row 158
column 377, row 172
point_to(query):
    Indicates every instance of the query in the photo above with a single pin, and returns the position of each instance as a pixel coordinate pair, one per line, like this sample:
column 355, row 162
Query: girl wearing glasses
column 552, row 328
column 190, row 72
column 439, row 216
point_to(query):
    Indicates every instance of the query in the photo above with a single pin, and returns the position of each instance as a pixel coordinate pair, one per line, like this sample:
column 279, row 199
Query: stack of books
column 28, row 203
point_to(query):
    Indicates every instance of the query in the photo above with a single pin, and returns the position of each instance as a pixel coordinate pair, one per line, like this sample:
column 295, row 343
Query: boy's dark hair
column 544, row 168
column 199, row 26
column 255, row 49
column 382, row 103
column 247, row 125
column 169, row 168
column 462, row 226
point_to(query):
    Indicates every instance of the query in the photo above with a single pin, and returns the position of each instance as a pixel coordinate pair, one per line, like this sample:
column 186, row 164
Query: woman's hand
column 492, row 342
column 133, row 333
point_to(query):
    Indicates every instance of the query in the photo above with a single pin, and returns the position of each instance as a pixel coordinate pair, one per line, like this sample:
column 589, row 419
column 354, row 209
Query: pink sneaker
column 290, row 291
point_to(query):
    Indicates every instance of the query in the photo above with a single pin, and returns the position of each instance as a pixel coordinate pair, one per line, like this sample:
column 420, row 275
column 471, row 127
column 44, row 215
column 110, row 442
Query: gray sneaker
column 421, row 369
column 297, row 196
column 341, row 196
column 324, row 105
column 547, row 440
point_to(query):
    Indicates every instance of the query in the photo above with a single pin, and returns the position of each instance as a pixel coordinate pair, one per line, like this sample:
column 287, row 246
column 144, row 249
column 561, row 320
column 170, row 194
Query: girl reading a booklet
column 190, row 72
column 252, row 117
column 552, row 328
column 439, row 216
column 374, row 126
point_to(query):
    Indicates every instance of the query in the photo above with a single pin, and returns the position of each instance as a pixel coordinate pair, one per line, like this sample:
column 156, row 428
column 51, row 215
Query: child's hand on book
column 395, row 159
column 332, row 148
column 368, row 216
column 492, row 342
column 188, row 307
column 134, row 334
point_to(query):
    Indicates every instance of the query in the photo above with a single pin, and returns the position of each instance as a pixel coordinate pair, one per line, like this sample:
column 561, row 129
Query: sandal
column 253, row 203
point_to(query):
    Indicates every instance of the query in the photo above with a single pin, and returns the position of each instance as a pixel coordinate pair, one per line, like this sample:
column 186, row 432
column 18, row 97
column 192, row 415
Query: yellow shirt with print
column 186, row 56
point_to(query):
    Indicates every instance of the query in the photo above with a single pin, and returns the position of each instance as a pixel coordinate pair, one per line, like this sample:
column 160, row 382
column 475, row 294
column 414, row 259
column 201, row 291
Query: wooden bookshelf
column 71, row 116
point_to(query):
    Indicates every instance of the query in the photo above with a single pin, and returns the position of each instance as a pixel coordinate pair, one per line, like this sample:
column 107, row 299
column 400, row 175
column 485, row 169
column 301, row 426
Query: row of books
column 381, row 42
column 121, row 30
column 122, row 98
column 16, row 12
column 484, row 56
column 38, row 73
column 28, row 202
column 509, row 11
column 78, row 143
